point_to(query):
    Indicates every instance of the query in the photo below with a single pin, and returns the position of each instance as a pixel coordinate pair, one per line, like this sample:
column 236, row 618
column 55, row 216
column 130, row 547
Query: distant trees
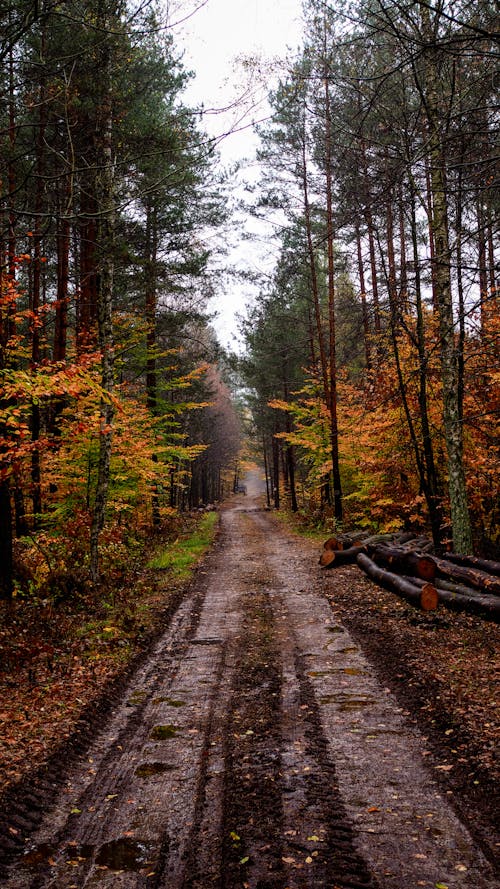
column 381, row 152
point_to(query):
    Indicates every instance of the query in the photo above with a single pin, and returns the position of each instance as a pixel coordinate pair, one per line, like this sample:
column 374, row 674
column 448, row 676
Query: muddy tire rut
column 254, row 748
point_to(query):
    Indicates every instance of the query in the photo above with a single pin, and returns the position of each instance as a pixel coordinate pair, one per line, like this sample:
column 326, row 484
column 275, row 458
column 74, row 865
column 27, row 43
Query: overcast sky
column 214, row 40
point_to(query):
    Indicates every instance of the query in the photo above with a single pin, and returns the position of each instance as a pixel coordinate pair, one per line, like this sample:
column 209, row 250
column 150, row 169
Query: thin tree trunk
column 371, row 243
column 6, row 561
column 266, row 472
column 276, row 473
column 432, row 487
column 105, row 191
column 483, row 273
column 36, row 481
column 333, row 400
column 63, row 247
column 150, row 270
column 462, row 531
column 364, row 307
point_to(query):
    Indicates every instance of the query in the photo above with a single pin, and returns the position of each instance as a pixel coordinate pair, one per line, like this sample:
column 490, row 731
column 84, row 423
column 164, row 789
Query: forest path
column 254, row 748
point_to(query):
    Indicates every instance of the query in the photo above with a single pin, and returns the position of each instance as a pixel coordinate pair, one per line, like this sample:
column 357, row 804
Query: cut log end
column 327, row 558
column 429, row 598
column 333, row 544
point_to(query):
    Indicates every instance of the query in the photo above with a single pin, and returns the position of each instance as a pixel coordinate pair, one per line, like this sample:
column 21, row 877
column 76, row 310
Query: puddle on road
column 163, row 732
column 316, row 674
column 354, row 671
column 125, row 854
column 172, row 702
column 38, row 855
column 137, row 697
column 346, row 704
column 148, row 769
column 43, row 854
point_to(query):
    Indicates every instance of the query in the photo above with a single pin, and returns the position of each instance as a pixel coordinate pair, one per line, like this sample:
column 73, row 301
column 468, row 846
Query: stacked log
column 425, row 597
column 403, row 564
column 487, row 565
column 472, row 577
column 460, row 598
column 404, row 561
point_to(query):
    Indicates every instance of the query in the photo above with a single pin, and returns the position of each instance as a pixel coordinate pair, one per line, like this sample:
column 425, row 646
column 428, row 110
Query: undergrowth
column 57, row 653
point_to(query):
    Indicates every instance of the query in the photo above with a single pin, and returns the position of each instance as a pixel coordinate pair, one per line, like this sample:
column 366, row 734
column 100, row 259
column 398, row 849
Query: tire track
column 247, row 752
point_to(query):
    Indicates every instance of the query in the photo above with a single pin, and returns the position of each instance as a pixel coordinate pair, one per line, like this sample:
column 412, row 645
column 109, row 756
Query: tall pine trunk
column 105, row 195
column 333, row 400
column 460, row 519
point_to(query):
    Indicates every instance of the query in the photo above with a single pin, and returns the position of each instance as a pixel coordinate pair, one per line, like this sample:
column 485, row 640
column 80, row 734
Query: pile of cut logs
column 404, row 564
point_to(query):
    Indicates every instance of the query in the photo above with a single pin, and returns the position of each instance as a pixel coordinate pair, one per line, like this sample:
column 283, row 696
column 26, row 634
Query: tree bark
column 481, row 580
column 404, row 560
column 487, row 565
column 427, row 600
column 460, row 519
column 333, row 394
column 364, row 307
column 430, row 481
column 105, row 191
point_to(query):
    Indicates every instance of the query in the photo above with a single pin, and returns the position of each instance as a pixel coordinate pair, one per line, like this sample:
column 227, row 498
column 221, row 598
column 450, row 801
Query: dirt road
column 255, row 748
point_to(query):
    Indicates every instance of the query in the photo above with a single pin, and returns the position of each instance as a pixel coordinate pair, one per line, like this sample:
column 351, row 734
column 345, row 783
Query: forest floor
column 287, row 727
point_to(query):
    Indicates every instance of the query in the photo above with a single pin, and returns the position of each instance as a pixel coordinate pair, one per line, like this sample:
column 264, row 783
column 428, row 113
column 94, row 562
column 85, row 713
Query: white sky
column 213, row 39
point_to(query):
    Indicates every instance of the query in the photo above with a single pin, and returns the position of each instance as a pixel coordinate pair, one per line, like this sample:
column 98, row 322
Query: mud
column 255, row 747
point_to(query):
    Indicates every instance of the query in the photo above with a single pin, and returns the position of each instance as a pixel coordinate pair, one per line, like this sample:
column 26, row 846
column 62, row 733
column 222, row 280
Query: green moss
column 163, row 732
column 180, row 557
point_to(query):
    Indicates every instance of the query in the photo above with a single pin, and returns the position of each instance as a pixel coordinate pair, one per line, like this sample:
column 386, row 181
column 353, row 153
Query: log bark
column 420, row 597
column 461, row 598
column 481, row 603
column 422, row 544
column 334, row 558
column 352, row 538
column 487, row 565
column 488, row 583
column 404, row 561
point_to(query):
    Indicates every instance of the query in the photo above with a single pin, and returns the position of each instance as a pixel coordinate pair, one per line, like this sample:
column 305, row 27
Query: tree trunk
column 371, row 241
column 6, row 561
column 404, row 561
column 150, row 271
column 333, row 558
column 276, row 473
column 105, row 192
column 487, row 565
column 63, row 247
column 430, row 481
column 489, row 583
column 460, row 519
column 364, row 307
column 333, row 399
column 425, row 598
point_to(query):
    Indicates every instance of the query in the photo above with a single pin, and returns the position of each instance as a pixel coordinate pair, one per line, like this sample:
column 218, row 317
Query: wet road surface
column 255, row 748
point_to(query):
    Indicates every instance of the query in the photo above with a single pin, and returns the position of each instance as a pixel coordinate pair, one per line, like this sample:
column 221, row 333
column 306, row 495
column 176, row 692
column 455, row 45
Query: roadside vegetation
column 58, row 657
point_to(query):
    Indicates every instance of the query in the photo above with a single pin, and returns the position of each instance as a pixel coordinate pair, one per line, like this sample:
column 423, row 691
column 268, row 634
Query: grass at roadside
column 57, row 657
column 179, row 557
